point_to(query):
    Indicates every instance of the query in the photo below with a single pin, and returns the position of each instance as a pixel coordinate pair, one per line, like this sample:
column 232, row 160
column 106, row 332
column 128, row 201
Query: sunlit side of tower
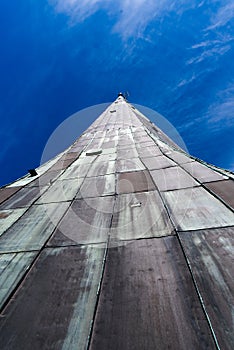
column 123, row 241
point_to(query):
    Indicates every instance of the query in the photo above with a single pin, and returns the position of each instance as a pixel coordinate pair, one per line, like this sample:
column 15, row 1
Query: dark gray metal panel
column 97, row 186
column 86, row 221
column 159, row 162
column 140, row 215
column 134, row 164
column 61, row 191
column 7, row 192
column 224, row 190
column 172, row 178
column 101, row 168
column 70, row 155
column 33, row 229
column 23, row 197
column 195, row 208
column 148, row 300
column 46, row 179
column 12, row 268
column 62, row 164
column 54, row 307
column 210, row 254
column 149, row 151
column 179, row 157
column 202, row 172
column 8, row 217
column 137, row 181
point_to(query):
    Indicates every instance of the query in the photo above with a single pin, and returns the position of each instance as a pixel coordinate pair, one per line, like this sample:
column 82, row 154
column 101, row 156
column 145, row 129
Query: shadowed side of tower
column 123, row 241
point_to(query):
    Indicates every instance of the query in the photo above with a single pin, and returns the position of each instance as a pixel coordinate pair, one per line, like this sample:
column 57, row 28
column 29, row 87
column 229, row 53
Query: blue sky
column 60, row 56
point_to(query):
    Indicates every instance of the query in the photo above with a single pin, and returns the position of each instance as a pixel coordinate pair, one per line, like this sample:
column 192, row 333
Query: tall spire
column 123, row 241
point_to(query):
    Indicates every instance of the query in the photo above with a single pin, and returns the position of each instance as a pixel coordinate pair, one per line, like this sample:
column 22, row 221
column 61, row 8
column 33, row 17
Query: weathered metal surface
column 61, row 191
column 101, row 168
column 7, row 192
column 62, row 164
column 172, row 178
column 54, row 307
column 159, row 162
column 137, row 181
column 33, row 229
column 224, row 190
column 23, row 198
column 179, row 157
column 140, row 215
column 8, row 217
column 134, row 164
column 127, row 153
column 12, row 268
column 195, row 208
column 86, row 221
column 70, row 155
column 149, row 151
column 46, row 179
column 210, row 254
column 202, row 172
column 78, row 169
column 97, row 186
column 148, row 300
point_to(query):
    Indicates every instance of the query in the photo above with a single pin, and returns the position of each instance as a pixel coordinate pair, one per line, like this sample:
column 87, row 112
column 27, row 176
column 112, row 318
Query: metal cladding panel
column 78, row 170
column 8, row 217
column 54, row 307
column 97, row 186
column 7, row 192
column 86, row 221
column 13, row 266
column 46, row 179
column 127, row 153
column 102, row 168
column 179, row 157
column 23, row 198
column 224, row 190
column 140, row 215
column 159, row 162
column 210, row 255
column 34, row 228
column 172, row 178
column 202, row 172
column 125, row 165
column 62, row 164
column 61, row 191
column 137, row 181
column 148, row 300
column 70, row 155
column 149, row 151
column 195, row 208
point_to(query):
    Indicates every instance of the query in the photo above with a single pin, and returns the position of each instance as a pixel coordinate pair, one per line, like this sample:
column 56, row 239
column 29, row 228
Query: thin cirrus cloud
column 131, row 17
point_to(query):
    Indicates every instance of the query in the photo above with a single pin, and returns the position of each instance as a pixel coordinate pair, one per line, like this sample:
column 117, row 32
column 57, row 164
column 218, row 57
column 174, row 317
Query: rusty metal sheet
column 148, row 300
column 33, row 229
column 202, row 172
column 86, row 221
column 224, row 190
column 172, row 178
column 179, row 157
column 70, row 155
column 97, row 186
column 126, row 165
column 137, row 181
column 9, row 217
column 158, row 162
column 54, row 307
column 61, row 191
column 7, row 192
column 195, row 208
column 140, row 215
column 13, row 266
column 210, row 255
column 101, row 168
column 23, row 198
column 149, row 151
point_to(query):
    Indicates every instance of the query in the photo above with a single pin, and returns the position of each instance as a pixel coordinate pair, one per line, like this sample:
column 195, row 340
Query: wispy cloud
column 220, row 115
column 223, row 16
